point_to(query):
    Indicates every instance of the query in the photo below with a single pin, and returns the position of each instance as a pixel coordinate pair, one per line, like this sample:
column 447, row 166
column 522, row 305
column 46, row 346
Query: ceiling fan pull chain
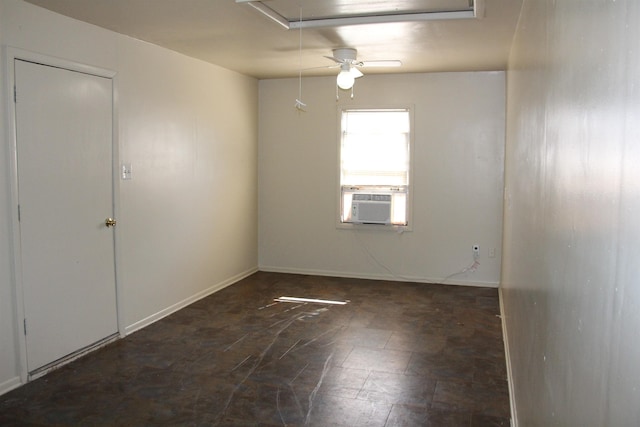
column 299, row 104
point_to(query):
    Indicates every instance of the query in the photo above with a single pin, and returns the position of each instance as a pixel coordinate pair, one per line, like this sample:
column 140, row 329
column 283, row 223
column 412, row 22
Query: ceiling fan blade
column 355, row 72
column 382, row 63
column 324, row 67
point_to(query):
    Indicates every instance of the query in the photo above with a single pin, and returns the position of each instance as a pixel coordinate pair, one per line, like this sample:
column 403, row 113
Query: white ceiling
column 238, row 37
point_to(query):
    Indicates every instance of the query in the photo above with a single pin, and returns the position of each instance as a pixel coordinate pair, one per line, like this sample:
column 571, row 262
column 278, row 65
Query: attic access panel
column 334, row 13
column 348, row 8
column 328, row 9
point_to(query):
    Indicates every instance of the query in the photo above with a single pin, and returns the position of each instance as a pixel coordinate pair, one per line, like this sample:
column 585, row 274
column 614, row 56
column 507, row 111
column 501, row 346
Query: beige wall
column 187, row 220
column 572, row 214
column 457, row 172
column 8, row 344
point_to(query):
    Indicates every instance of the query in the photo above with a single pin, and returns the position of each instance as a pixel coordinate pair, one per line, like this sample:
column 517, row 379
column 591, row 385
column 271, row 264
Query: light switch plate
column 125, row 171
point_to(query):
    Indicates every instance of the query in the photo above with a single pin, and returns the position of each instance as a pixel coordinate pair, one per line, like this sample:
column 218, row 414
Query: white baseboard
column 432, row 280
column 181, row 304
column 512, row 402
column 15, row 382
column 9, row 385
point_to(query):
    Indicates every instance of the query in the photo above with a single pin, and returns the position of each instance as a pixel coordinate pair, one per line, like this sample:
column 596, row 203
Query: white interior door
column 65, row 191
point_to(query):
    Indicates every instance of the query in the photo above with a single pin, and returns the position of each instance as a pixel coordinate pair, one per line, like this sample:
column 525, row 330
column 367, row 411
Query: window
column 375, row 146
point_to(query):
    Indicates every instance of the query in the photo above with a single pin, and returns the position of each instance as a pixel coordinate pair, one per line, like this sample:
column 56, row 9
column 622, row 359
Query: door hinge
column 25, row 326
column 15, row 95
column 18, row 213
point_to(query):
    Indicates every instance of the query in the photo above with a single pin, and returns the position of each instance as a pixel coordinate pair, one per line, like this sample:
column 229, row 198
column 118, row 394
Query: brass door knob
column 110, row 222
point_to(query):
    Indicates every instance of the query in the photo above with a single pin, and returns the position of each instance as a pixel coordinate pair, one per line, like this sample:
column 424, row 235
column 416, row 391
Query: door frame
column 11, row 55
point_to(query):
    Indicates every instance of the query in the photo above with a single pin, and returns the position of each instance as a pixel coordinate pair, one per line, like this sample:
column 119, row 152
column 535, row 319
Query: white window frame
column 408, row 189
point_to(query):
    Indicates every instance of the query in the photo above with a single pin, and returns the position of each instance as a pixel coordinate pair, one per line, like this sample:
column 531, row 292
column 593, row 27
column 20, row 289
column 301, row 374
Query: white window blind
column 375, row 147
column 375, row 159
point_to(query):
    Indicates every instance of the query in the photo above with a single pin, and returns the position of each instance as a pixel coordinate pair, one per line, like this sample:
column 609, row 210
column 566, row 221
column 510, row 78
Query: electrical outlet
column 492, row 253
column 476, row 251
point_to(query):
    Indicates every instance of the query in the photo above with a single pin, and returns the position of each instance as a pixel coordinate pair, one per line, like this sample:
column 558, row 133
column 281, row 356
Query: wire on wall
column 472, row 268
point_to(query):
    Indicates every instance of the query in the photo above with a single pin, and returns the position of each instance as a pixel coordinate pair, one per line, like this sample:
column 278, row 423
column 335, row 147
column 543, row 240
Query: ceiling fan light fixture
column 345, row 79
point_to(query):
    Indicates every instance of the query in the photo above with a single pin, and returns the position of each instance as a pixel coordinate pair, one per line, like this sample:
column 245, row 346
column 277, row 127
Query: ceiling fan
column 346, row 59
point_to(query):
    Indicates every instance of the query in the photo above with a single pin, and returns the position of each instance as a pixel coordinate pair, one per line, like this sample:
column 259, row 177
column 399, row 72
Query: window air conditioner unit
column 371, row 208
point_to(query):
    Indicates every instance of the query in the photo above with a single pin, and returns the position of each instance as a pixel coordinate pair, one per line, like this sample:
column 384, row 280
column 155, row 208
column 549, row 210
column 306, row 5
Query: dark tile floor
column 398, row 354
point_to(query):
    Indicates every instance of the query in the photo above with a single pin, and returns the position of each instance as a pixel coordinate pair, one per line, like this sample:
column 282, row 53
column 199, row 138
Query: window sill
column 374, row 227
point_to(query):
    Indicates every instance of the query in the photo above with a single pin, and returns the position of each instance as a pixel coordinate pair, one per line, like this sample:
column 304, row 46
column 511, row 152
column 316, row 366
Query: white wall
column 571, row 262
column 458, row 171
column 187, row 220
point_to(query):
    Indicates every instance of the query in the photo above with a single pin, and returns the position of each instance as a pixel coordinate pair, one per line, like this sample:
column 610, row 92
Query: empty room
column 292, row 212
